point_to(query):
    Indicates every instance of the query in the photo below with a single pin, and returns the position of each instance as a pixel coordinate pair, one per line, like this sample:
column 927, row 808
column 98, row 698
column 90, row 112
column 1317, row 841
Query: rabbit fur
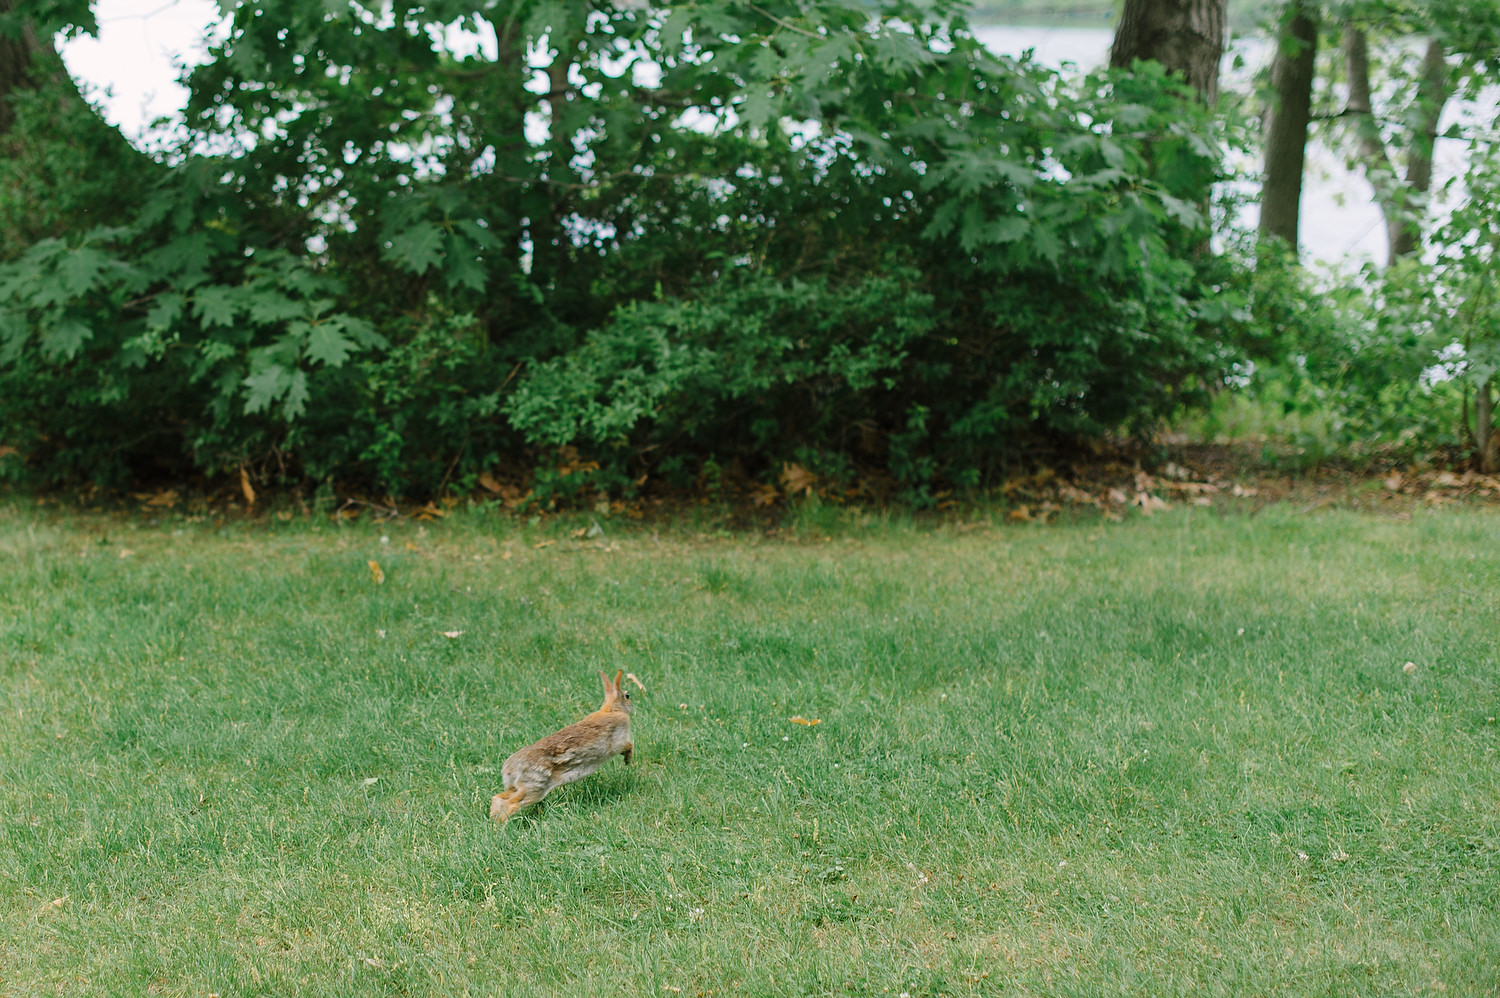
column 571, row 754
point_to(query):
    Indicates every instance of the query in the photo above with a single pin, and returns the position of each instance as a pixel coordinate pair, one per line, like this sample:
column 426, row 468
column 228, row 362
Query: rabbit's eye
column 627, row 696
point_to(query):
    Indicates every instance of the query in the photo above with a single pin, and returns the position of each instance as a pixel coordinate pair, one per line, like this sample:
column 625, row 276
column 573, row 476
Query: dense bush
column 785, row 234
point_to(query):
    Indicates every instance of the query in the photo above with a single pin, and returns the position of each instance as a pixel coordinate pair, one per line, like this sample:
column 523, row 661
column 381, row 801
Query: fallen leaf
column 1409, row 668
column 631, row 676
column 1117, row 496
column 797, row 479
column 126, row 552
column 1149, row 503
column 799, row 719
column 59, row 902
column 7, row 451
column 1192, row 488
column 1244, row 491
column 369, row 781
column 164, row 498
column 487, row 480
column 245, row 486
column 1393, row 482
column 1020, row 514
column 372, row 961
column 542, row 544
column 764, row 495
column 376, row 571
column 452, row 634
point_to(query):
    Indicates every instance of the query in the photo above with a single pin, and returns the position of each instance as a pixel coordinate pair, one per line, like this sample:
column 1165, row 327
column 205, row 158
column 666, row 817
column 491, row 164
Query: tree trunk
column 17, row 56
column 1403, row 228
column 1286, row 133
column 1432, row 93
column 1485, row 440
column 1186, row 36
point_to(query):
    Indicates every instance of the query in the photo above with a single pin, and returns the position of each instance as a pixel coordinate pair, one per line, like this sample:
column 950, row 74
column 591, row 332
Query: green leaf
column 326, row 345
column 482, row 237
column 266, row 387
column 14, row 332
column 1186, row 214
column 216, row 304
column 65, row 338
column 1007, row 230
column 360, row 331
column 164, row 312
column 79, row 270
column 417, row 249
column 464, row 266
column 756, row 110
column 268, row 306
column 296, row 396
column 1044, row 238
column 1112, row 153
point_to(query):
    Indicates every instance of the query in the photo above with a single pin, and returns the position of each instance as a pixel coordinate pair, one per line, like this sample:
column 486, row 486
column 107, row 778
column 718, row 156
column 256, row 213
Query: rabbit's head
column 616, row 697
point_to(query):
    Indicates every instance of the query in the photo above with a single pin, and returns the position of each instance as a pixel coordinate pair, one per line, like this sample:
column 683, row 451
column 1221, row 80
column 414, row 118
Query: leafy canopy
column 839, row 231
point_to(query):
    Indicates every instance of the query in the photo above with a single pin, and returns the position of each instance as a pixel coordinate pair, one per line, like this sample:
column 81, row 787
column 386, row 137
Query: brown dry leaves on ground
column 1114, row 484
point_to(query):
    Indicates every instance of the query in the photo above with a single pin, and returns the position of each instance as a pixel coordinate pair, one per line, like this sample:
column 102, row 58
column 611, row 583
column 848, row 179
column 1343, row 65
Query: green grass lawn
column 1173, row 756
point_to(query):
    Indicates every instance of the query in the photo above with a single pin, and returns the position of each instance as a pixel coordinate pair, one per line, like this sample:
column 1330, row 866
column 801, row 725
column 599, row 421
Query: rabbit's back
column 570, row 754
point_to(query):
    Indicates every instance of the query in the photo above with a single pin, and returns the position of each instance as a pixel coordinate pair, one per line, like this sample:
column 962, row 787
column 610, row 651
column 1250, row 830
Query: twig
column 787, row 24
column 390, row 511
column 512, row 374
column 454, row 463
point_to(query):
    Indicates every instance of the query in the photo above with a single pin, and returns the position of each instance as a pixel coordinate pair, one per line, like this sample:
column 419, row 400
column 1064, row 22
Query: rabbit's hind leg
column 502, row 804
column 506, row 804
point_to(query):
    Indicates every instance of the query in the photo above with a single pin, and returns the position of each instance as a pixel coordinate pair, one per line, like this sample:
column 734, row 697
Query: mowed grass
column 1174, row 756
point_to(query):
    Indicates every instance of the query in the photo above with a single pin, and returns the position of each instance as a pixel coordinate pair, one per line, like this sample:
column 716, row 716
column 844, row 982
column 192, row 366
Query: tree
column 1292, row 74
column 1186, row 36
column 1400, row 199
column 19, row 47
column 815, row 232
column 60, row 164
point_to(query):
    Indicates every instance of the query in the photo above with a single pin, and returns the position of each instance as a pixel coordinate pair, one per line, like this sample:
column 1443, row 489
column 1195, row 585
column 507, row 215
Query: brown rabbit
column 571, row 754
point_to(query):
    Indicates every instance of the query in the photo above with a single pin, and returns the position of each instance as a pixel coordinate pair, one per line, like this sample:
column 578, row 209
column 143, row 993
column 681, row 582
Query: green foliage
column 1343, row 367
column 808, row 233
column 1464, row 309
column 752, row 366
column 51, row 176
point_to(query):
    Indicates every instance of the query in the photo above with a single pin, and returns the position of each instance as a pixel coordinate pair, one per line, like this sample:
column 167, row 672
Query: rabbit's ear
column 619, row 676
column 607, row 688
